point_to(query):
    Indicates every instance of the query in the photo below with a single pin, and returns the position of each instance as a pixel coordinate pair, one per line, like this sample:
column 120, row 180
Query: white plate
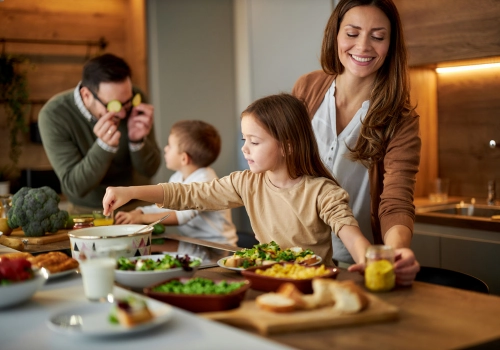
column 53, row 276
column 94, row 319
column 220, row 262
column 143, row 279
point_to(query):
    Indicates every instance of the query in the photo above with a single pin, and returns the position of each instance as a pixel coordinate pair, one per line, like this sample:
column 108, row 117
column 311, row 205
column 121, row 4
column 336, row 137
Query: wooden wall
column 469, row 117
column 459, row 111
column 55, row 68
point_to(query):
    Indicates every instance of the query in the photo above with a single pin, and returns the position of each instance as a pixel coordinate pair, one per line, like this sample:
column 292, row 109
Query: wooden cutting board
column 249, row 315
column 58, row 236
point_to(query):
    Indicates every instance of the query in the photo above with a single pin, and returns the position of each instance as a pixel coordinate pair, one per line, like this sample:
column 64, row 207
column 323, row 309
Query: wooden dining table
column 430, row 317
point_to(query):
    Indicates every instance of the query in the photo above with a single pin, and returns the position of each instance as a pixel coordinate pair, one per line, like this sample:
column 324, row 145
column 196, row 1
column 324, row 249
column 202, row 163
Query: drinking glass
column 438, row 191
column 102, row 220
column 98, row 275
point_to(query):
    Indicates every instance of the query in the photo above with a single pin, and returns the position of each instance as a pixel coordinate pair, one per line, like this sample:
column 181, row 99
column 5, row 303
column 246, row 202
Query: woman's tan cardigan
column 392, row 179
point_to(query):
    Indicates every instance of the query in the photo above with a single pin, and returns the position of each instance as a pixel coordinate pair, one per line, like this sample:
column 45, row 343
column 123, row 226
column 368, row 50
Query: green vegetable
column 158, row 229
column 199, row 286
column 158, row 241
column 36, row 211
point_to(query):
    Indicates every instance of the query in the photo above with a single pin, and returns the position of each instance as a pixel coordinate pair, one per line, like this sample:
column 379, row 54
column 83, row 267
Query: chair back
column 450, row 278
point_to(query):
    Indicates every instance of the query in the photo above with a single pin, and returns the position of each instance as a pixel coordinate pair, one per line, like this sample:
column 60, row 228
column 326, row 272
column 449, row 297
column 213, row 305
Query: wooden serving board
column 249, row 315
column 58, row 236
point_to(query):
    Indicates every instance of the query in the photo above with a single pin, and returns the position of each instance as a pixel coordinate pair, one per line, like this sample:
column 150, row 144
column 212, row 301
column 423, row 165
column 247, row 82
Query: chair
column 450, row 278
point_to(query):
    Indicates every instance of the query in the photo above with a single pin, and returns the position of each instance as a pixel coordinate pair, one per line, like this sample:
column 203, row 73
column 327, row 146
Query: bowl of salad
column 143, row 271
column 200, row 294
column 266, row 254
column 18, row 281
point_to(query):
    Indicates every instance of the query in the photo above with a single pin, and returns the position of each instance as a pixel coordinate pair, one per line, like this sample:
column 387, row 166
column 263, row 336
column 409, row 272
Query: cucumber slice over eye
column 136, row 100
column 114, row 106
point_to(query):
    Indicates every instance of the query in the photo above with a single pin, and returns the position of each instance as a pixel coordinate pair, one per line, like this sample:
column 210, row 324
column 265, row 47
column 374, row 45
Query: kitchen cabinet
column 450, row 30
column 475, row 252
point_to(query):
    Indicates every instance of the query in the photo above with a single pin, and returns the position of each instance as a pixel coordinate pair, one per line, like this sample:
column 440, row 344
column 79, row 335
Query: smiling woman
column 366, row 129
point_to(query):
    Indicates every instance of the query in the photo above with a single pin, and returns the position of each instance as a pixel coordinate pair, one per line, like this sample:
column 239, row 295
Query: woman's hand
column 115, row 197
column 131, row 217
column 406, row 266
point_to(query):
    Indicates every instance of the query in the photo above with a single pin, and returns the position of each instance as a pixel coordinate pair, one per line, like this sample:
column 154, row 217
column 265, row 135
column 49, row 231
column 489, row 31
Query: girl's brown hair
column 390, row 94
column 286, row 119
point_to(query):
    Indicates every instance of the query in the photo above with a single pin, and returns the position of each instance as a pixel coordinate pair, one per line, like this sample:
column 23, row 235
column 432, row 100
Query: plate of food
column 57, row 264
column 143, row 271
column 56, row 275
column 128, row 314
column 267, row 254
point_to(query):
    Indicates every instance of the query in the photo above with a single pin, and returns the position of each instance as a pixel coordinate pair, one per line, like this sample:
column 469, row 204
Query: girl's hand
column 357, row 268
column 132, row 217
column 114, row 198
column 406, row 266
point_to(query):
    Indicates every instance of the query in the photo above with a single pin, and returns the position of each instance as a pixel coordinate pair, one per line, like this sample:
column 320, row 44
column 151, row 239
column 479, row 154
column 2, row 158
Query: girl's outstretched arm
column 355, row 242
column 115, row 197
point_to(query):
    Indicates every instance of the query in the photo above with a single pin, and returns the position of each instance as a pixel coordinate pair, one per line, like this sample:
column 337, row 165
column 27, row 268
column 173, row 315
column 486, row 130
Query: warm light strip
column 465, row 68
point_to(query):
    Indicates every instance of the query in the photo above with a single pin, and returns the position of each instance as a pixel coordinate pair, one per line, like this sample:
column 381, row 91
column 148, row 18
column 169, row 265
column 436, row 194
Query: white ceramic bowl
column 143, row 279
column 19, row 292
column 120, row 239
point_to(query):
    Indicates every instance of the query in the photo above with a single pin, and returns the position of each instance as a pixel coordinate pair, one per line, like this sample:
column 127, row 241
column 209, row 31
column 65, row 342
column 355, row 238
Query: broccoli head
column 36, row 211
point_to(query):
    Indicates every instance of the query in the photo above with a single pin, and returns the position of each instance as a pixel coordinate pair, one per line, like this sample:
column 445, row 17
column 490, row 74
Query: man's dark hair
column 104, row 68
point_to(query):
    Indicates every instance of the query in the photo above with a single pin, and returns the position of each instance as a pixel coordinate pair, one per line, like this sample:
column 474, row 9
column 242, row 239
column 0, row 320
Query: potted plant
column 14, row 95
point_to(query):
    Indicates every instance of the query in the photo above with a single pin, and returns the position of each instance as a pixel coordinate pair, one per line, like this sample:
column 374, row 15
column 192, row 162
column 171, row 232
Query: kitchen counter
column 464, row 222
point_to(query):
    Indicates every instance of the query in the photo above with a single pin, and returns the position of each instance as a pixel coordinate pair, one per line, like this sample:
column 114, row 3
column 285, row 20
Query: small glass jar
column 379, row 271
column 83, row 222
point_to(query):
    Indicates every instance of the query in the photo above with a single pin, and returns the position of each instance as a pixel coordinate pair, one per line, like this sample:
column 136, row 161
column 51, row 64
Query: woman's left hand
column 406, row 267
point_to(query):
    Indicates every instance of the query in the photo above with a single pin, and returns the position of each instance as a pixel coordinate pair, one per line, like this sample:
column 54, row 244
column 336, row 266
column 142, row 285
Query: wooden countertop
column 431, row 316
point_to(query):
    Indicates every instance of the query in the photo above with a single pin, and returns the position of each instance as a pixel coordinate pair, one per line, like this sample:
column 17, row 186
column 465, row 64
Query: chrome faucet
column 491, row 193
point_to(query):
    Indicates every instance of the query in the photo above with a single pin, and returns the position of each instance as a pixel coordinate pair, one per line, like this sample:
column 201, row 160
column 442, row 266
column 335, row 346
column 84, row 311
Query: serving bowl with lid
column 121, row 240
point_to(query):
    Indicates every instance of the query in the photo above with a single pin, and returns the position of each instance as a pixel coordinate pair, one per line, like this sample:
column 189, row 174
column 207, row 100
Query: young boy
column 193, row 146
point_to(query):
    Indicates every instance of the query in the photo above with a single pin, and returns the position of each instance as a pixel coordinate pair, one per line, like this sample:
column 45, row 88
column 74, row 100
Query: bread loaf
column 275, row 302
column 349, row 297
column 290, row 291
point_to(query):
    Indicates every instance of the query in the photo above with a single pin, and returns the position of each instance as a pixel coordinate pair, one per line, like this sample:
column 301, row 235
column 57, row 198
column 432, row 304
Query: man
column 92, row 143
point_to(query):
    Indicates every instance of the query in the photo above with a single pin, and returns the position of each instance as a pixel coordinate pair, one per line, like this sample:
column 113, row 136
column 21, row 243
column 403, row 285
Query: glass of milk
column 98, row 275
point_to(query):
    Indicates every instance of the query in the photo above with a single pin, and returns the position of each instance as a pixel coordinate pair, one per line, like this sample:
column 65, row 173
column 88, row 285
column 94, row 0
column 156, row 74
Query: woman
column 366, row 129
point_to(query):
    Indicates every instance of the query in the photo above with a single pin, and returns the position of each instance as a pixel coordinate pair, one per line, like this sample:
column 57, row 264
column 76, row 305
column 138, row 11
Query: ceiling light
column 466, row 68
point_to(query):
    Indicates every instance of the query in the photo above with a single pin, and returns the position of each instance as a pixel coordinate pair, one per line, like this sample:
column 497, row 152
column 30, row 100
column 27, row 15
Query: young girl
column 289, row 195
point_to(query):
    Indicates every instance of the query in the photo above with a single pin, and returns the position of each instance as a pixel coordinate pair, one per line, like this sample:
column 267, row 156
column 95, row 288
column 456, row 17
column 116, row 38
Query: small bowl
column 122, row 240
column 20, row 292
column 142, row 279
column 200, row 302
column 271, row 284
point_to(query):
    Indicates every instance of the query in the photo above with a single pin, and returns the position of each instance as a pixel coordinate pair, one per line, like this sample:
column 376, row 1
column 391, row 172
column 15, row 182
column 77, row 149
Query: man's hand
column 131, row 217
column 106, row 129
column 140, row 122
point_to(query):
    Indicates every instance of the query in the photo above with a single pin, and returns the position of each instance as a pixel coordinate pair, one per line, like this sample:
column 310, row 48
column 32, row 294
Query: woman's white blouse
column 352, row 176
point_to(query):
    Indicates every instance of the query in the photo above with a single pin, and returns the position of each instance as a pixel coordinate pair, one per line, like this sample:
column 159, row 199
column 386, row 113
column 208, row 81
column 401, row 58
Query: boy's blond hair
column 200, row 140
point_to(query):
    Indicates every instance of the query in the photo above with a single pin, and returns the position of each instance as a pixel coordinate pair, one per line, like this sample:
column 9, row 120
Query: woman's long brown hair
column 286, row 119
column 390, row 94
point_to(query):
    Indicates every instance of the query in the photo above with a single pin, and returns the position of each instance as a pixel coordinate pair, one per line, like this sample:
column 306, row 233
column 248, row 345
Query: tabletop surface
column 431, row 316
